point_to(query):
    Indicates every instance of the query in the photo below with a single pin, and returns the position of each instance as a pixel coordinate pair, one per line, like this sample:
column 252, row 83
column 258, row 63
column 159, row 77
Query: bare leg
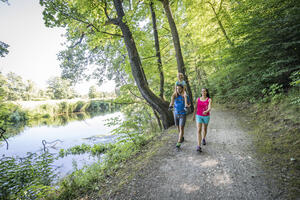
column 205, row 131
column 182, row 132
column 199, row 136
column 178, row 128
column 181, row 128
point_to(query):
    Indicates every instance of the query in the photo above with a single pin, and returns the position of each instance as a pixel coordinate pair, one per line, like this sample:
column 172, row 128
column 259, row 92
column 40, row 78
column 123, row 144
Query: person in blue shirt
column 179, row 112
column 183, row 83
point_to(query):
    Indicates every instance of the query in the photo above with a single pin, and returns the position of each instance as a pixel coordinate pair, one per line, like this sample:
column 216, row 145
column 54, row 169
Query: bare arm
column 185, row 101
column 209, row 106
column 172, row 100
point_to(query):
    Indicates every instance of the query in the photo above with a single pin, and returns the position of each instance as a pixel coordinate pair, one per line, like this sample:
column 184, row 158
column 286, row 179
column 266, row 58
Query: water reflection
column 93, row 110
column 67, row 131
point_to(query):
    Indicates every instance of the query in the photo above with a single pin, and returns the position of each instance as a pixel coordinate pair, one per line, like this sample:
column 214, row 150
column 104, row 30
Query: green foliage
column 295, row 77
column 79, row 106
column 63, row 107
column 134, row 133
column 89, row 179
column 266, row 51
column 274, row 93
column 275, row 128
column 92, row 92
column 3, row 48
column 12, row 87
column 26, row 178
column 59, row 88
column 94, row 150
column 97, row 106
column 10, row 115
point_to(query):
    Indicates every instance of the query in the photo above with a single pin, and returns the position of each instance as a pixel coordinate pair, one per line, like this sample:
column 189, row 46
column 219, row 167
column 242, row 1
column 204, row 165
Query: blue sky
column 33, row 47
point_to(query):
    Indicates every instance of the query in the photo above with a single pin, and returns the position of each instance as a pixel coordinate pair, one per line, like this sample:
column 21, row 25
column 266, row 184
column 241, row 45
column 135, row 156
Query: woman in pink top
column 203, row 106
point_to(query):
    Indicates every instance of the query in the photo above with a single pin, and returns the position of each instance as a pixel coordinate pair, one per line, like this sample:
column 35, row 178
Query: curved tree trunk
column 176, row 41
column 157, row 49
column 137, row 71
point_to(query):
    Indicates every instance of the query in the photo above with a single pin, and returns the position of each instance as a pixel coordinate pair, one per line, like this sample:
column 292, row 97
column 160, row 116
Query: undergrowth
column 275, row 126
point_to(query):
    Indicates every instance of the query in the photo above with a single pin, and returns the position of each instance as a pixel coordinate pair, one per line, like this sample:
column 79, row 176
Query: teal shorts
column 202, row 119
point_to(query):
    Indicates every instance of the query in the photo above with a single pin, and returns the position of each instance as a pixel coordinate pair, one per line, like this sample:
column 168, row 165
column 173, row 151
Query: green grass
column 92, row 179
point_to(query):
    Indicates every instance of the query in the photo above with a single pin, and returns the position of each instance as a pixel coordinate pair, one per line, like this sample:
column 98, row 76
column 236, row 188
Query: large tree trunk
column 157, row 49
column 157, row 103
column 176, row 41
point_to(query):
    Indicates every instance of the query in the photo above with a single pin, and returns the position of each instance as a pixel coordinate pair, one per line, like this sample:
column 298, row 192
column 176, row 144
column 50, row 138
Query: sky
column 33, row 47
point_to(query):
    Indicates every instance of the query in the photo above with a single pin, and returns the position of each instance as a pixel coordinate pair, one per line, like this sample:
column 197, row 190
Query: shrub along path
column 228, row 167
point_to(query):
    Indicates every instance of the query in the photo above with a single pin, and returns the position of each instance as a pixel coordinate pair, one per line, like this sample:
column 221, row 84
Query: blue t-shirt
column 183, row 83
column 179, row 105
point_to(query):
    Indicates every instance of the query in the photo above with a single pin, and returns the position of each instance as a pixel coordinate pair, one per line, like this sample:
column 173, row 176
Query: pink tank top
column 202, row 106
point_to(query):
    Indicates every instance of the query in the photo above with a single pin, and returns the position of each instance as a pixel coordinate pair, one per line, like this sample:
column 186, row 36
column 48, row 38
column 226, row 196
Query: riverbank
column 30, row 105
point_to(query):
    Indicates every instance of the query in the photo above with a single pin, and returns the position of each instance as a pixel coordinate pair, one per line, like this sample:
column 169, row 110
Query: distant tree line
column 94, row 93
column 14, row 88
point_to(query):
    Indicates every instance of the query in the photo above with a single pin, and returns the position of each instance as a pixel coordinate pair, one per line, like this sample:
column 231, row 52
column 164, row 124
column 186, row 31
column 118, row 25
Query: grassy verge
column 112, row 172
column 275, row 126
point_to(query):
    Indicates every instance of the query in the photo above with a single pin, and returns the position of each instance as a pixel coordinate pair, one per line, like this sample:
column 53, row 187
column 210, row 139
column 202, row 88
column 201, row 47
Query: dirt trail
column 226, row 169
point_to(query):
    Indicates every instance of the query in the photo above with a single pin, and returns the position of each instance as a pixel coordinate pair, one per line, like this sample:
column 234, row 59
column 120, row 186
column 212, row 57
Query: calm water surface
column 88, row 131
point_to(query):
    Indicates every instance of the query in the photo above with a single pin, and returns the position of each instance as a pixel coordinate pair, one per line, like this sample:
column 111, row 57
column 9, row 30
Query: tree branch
column 220, row 7
column 112, row 34
column 2, row 131
column 105, row 10
column 80, row 40
column 148, row 57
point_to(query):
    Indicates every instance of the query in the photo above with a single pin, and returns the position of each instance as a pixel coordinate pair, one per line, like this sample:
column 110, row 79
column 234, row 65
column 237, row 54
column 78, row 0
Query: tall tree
column 60, row 88
column 176, row 41
column 3, row 88
column 92, row 20
column 92, row 92
column 16, row 87
column 137, row 70
column 157, row 49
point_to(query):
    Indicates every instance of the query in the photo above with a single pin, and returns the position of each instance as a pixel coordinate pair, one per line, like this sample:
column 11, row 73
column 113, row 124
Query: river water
column 88, row 131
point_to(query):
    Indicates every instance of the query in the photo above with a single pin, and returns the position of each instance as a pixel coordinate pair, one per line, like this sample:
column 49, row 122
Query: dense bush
column 29, row 177
column 265, row 58
column 11, row 114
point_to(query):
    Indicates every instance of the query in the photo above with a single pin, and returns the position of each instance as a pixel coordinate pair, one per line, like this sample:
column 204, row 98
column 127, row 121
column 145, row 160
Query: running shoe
column 199, row 149
column 178, row 145
column 203, row 142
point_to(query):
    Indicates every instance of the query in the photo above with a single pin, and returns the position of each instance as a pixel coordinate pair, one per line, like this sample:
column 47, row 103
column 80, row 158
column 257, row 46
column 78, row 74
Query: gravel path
column 226, row 169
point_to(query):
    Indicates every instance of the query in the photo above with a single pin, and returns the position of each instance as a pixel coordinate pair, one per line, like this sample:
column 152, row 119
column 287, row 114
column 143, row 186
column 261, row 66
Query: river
column 88, row 131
